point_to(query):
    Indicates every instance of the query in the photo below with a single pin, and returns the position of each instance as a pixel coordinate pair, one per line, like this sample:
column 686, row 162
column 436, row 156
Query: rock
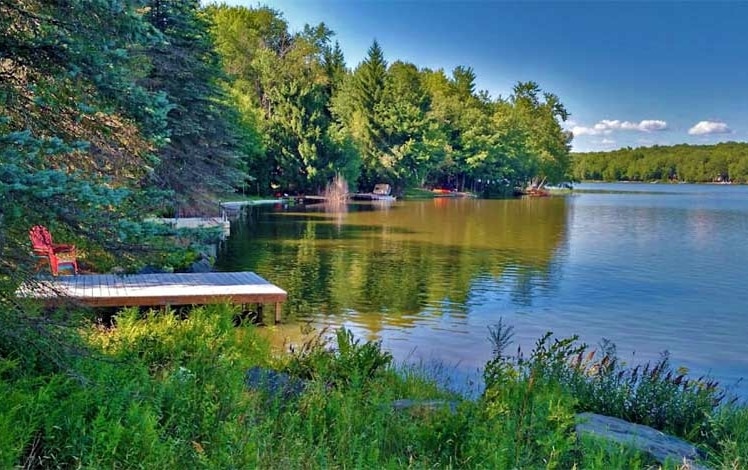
column 201, row 266
column 645, row 439
column 275, row 384
column 424, row 405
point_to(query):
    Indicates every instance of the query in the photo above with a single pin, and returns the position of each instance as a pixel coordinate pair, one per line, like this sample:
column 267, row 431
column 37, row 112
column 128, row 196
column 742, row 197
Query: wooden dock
column 162, row 289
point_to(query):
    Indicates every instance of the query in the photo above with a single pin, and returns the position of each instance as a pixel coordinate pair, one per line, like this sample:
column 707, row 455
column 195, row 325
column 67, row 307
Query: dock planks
column 114, row 290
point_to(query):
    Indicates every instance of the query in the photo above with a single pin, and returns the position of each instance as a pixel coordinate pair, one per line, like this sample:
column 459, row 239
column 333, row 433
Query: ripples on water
column 650, row 267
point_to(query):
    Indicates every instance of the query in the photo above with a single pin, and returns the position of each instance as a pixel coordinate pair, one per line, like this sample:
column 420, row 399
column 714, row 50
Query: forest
column 166, row 95
column 719, row 163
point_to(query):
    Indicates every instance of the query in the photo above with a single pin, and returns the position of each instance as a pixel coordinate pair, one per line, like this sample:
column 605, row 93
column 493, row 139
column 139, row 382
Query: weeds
column 163, row 391
column 350, row 361
column 653, row 394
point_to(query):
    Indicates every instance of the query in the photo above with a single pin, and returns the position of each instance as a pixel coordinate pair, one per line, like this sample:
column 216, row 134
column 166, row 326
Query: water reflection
column 393, row 265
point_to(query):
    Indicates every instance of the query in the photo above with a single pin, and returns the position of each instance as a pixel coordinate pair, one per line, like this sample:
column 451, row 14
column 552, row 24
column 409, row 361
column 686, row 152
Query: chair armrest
column 62, row 248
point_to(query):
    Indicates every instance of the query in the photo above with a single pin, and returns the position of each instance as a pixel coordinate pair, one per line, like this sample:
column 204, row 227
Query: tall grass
column 653, row 394
column 165, row 391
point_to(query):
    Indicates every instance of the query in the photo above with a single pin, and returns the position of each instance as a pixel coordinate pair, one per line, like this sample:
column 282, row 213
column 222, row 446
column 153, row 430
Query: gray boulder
column 201, row 266
column 657, row 444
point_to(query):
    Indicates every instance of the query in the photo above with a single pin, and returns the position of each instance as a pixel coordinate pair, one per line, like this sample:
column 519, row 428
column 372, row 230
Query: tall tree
column 541, row 119
column 368, row 87
column 201, row 155
column 72, row 118
column 334, row 63
column 415, row 144
column 287, row 82
column 76, row 136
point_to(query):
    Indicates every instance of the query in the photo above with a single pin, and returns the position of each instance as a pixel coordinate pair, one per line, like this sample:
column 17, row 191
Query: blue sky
column 631, row 73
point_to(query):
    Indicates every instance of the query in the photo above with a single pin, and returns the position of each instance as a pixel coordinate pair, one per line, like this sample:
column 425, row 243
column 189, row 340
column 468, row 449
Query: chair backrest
column 41, row 239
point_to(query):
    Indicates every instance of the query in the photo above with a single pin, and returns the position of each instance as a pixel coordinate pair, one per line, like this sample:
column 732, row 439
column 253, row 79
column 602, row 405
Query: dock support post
column 277, row 312
column 260, row 313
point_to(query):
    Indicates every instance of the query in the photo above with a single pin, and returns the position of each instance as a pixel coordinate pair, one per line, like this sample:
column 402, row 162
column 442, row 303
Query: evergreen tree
column 334, row 63
column 413, row 140
column 201, row 155
column 72, row 150
column 286, row 82
column 368, row 87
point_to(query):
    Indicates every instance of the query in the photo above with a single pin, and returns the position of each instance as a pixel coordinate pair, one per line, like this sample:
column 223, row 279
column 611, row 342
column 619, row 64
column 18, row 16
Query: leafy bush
column 351, row 361
column 652, row 394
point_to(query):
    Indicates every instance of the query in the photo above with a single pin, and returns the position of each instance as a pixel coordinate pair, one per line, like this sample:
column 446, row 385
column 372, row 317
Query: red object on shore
column 538, row 192
column 55, row 254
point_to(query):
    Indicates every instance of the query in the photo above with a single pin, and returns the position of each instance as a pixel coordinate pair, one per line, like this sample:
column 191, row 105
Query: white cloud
column 607, row 141
column 607, row 126
column 709, row 127
column 650, row 125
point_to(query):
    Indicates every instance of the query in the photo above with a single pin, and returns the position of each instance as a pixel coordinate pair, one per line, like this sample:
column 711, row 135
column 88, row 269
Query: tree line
column 378, row 121
column 723, row 162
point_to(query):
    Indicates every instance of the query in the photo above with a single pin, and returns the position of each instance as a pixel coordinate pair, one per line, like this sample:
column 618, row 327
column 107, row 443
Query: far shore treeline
column 719, row 163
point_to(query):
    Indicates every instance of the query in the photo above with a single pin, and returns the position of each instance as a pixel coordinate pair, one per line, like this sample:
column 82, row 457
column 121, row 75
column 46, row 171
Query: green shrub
column 651, row 394
column 730, row 437
column 351, row 361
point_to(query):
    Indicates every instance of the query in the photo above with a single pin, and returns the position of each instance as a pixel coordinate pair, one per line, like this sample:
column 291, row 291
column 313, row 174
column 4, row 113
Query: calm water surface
column 651, row 267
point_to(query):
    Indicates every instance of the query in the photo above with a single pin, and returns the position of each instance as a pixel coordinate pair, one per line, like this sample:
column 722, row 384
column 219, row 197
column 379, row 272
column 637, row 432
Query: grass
column 161, row 391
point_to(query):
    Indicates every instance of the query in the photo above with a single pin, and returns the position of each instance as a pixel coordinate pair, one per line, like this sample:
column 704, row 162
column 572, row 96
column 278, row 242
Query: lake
column 651, row 267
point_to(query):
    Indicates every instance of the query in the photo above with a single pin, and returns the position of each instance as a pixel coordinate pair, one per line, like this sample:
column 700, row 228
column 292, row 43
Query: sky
column 630, row 73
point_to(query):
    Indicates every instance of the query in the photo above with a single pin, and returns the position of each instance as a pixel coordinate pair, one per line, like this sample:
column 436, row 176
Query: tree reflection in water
column 391, row 265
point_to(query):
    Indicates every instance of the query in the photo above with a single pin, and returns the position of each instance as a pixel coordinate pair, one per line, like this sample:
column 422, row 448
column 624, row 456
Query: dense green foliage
column 160, row 391
column 725, row 162
column 200, row 155
column 89, row 126
column 653, row 394
column 379, row 122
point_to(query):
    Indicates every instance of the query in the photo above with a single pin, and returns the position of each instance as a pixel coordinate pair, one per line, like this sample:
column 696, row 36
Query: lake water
column 651, row 267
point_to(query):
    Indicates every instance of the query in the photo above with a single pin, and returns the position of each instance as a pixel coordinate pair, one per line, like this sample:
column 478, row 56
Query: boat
column 561, row 189
column 381, row 192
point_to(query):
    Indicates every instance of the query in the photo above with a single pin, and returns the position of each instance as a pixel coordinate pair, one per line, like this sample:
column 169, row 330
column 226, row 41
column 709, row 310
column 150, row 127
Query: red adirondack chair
column 57, row 255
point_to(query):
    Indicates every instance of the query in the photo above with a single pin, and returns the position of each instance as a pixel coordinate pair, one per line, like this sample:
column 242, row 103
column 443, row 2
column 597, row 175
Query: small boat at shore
column 381, row 192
